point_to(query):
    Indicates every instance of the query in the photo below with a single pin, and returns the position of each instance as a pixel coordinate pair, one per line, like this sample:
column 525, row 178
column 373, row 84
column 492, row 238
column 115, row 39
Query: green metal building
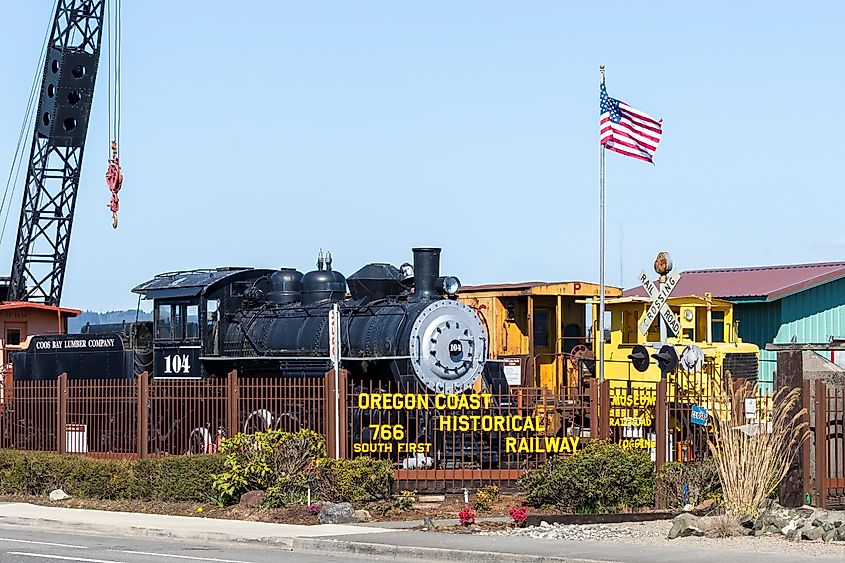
column 777, row 304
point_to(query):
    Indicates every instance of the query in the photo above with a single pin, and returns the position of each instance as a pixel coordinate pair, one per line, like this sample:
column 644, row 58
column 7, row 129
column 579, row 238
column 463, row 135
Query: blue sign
column 698, row 415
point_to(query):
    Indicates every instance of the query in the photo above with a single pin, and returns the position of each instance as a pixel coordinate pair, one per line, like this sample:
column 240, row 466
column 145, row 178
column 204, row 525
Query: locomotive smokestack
column 426, row 272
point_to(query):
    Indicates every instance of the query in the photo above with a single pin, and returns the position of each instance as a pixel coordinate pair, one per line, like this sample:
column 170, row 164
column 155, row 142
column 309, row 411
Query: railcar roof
column 191, row 283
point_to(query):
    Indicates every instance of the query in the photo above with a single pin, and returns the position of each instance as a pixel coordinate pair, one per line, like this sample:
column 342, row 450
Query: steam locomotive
column 395, row 324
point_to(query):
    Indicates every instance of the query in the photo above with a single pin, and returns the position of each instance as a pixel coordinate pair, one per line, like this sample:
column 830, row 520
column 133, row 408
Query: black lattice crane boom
column 58, row 142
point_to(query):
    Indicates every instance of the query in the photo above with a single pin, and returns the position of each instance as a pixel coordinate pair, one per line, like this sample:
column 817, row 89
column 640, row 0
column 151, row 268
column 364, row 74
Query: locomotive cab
column 189, row 311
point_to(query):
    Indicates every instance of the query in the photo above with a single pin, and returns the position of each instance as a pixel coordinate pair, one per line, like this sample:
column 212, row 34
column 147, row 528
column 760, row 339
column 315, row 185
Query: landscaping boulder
column 773, row 515
column 252, row 499
column 704, row 507
column 363, row 516
column 58, row 494
column 687, row 524
column 810, row 532
column 336, row 513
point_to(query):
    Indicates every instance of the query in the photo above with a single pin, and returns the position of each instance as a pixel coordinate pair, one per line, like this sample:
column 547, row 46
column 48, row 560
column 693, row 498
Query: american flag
column 626, row 130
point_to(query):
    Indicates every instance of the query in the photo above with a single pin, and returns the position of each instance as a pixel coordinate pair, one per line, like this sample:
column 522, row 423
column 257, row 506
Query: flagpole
column 601, row 254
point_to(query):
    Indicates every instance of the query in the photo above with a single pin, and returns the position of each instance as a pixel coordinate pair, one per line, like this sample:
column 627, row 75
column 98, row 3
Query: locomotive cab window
column 192, row 320
column 164, row 322
column 177, row 321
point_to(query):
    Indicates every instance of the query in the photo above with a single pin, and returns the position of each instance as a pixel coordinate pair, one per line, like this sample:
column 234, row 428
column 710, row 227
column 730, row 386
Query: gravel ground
column 654, row 533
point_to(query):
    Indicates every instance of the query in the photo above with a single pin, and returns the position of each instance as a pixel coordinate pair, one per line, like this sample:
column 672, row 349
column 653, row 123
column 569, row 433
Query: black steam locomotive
column 395, row 324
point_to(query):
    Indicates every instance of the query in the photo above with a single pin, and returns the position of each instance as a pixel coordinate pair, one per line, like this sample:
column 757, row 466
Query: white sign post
column 659, row 305
column 334, row 354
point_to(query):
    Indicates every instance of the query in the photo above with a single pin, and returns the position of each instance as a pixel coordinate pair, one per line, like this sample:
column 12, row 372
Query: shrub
column 519, row 515
column 485, row 497
column 723, row 527
column 466, row 516
column 280, row 463
column 701, row 480
column 354, row 480
column 752, row 459
column 405, row 500
column 177, row 478
column 287, row 464
column 601, row 477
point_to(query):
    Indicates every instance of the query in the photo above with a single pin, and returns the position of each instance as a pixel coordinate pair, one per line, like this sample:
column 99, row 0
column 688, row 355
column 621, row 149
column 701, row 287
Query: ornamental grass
column 752, row 459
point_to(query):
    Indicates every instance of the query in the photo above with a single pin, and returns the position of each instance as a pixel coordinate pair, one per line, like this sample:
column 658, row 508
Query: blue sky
column 258, row 134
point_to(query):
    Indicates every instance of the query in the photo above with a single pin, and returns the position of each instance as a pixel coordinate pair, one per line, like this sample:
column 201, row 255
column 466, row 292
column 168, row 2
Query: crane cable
column 114, row 175
column 29, row 116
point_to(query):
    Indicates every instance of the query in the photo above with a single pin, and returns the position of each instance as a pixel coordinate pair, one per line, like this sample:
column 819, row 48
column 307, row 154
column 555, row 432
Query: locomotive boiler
column 400, row 324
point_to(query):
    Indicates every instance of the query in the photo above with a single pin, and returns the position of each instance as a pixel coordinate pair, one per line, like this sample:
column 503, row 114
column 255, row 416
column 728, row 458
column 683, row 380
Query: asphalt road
column 28, row 545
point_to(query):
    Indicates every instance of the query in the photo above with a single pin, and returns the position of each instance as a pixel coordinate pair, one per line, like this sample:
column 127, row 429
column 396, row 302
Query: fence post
column 806, row 447
column 661, row 424
column 328, row 424
column 233, row 396
column 821, row 443
column 593, row 390
column 604, row 410
column 61, row 413
column 143, row 418
column 344, row 426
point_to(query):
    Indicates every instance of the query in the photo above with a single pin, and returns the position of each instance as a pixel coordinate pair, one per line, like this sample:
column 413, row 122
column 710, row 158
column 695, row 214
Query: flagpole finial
column 601, row 71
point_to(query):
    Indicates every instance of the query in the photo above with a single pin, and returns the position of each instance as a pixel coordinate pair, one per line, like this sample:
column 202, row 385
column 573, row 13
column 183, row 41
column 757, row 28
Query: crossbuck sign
column 659, row 307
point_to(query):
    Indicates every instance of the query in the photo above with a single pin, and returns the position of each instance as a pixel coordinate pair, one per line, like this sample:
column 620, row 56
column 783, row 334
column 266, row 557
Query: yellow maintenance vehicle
column 707, row 348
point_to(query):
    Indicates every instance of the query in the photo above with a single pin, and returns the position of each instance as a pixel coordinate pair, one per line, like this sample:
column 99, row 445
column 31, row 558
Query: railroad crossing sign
column 659, row 307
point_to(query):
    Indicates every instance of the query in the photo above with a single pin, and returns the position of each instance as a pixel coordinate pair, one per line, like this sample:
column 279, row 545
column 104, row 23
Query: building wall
column 759, row 324
column 813, row 315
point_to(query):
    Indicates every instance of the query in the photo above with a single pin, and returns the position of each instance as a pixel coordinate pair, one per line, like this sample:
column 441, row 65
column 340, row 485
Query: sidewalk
column 374, row 540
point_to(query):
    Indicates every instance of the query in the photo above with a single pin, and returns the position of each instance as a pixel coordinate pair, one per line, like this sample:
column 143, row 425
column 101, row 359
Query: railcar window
column 541, row 328
column 13, row 337
column 164, row 322
column 718, row 326
column 193, row 321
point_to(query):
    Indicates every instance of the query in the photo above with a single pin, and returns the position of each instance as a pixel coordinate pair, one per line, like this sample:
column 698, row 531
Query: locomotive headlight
column 451, row 285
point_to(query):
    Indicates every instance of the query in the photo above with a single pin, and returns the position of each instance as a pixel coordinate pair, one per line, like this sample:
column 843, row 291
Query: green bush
column 286, row 465
column 177, row 478
column 701, row 480
column 354, row 480
column 485, row 497
column 603, row 477
column 281, row 463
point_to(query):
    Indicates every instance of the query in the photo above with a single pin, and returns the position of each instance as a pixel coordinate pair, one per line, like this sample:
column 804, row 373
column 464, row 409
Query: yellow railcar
column 709, row 346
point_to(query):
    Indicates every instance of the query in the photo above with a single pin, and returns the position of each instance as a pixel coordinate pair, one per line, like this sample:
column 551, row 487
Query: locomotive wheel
column 259, row 420
column 287, row 421
column 199, row 442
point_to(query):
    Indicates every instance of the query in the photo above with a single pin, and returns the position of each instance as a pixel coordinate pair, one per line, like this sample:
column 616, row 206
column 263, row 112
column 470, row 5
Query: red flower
column 467, row 516
column 519, row 515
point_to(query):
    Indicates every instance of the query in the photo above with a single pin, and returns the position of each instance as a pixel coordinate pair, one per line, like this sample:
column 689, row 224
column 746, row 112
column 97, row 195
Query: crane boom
column 55, row 162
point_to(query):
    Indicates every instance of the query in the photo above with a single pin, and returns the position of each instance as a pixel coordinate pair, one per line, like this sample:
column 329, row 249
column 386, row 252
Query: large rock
column 810, row 532
column 252, row 499
column 704, row 507
column 58, row 494
column 687, row 524
column 773, row 515
column 336, row 513
column 363, row 516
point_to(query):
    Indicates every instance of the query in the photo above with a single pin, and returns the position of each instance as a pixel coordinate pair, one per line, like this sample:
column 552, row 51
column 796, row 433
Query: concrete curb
column 335, row 546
